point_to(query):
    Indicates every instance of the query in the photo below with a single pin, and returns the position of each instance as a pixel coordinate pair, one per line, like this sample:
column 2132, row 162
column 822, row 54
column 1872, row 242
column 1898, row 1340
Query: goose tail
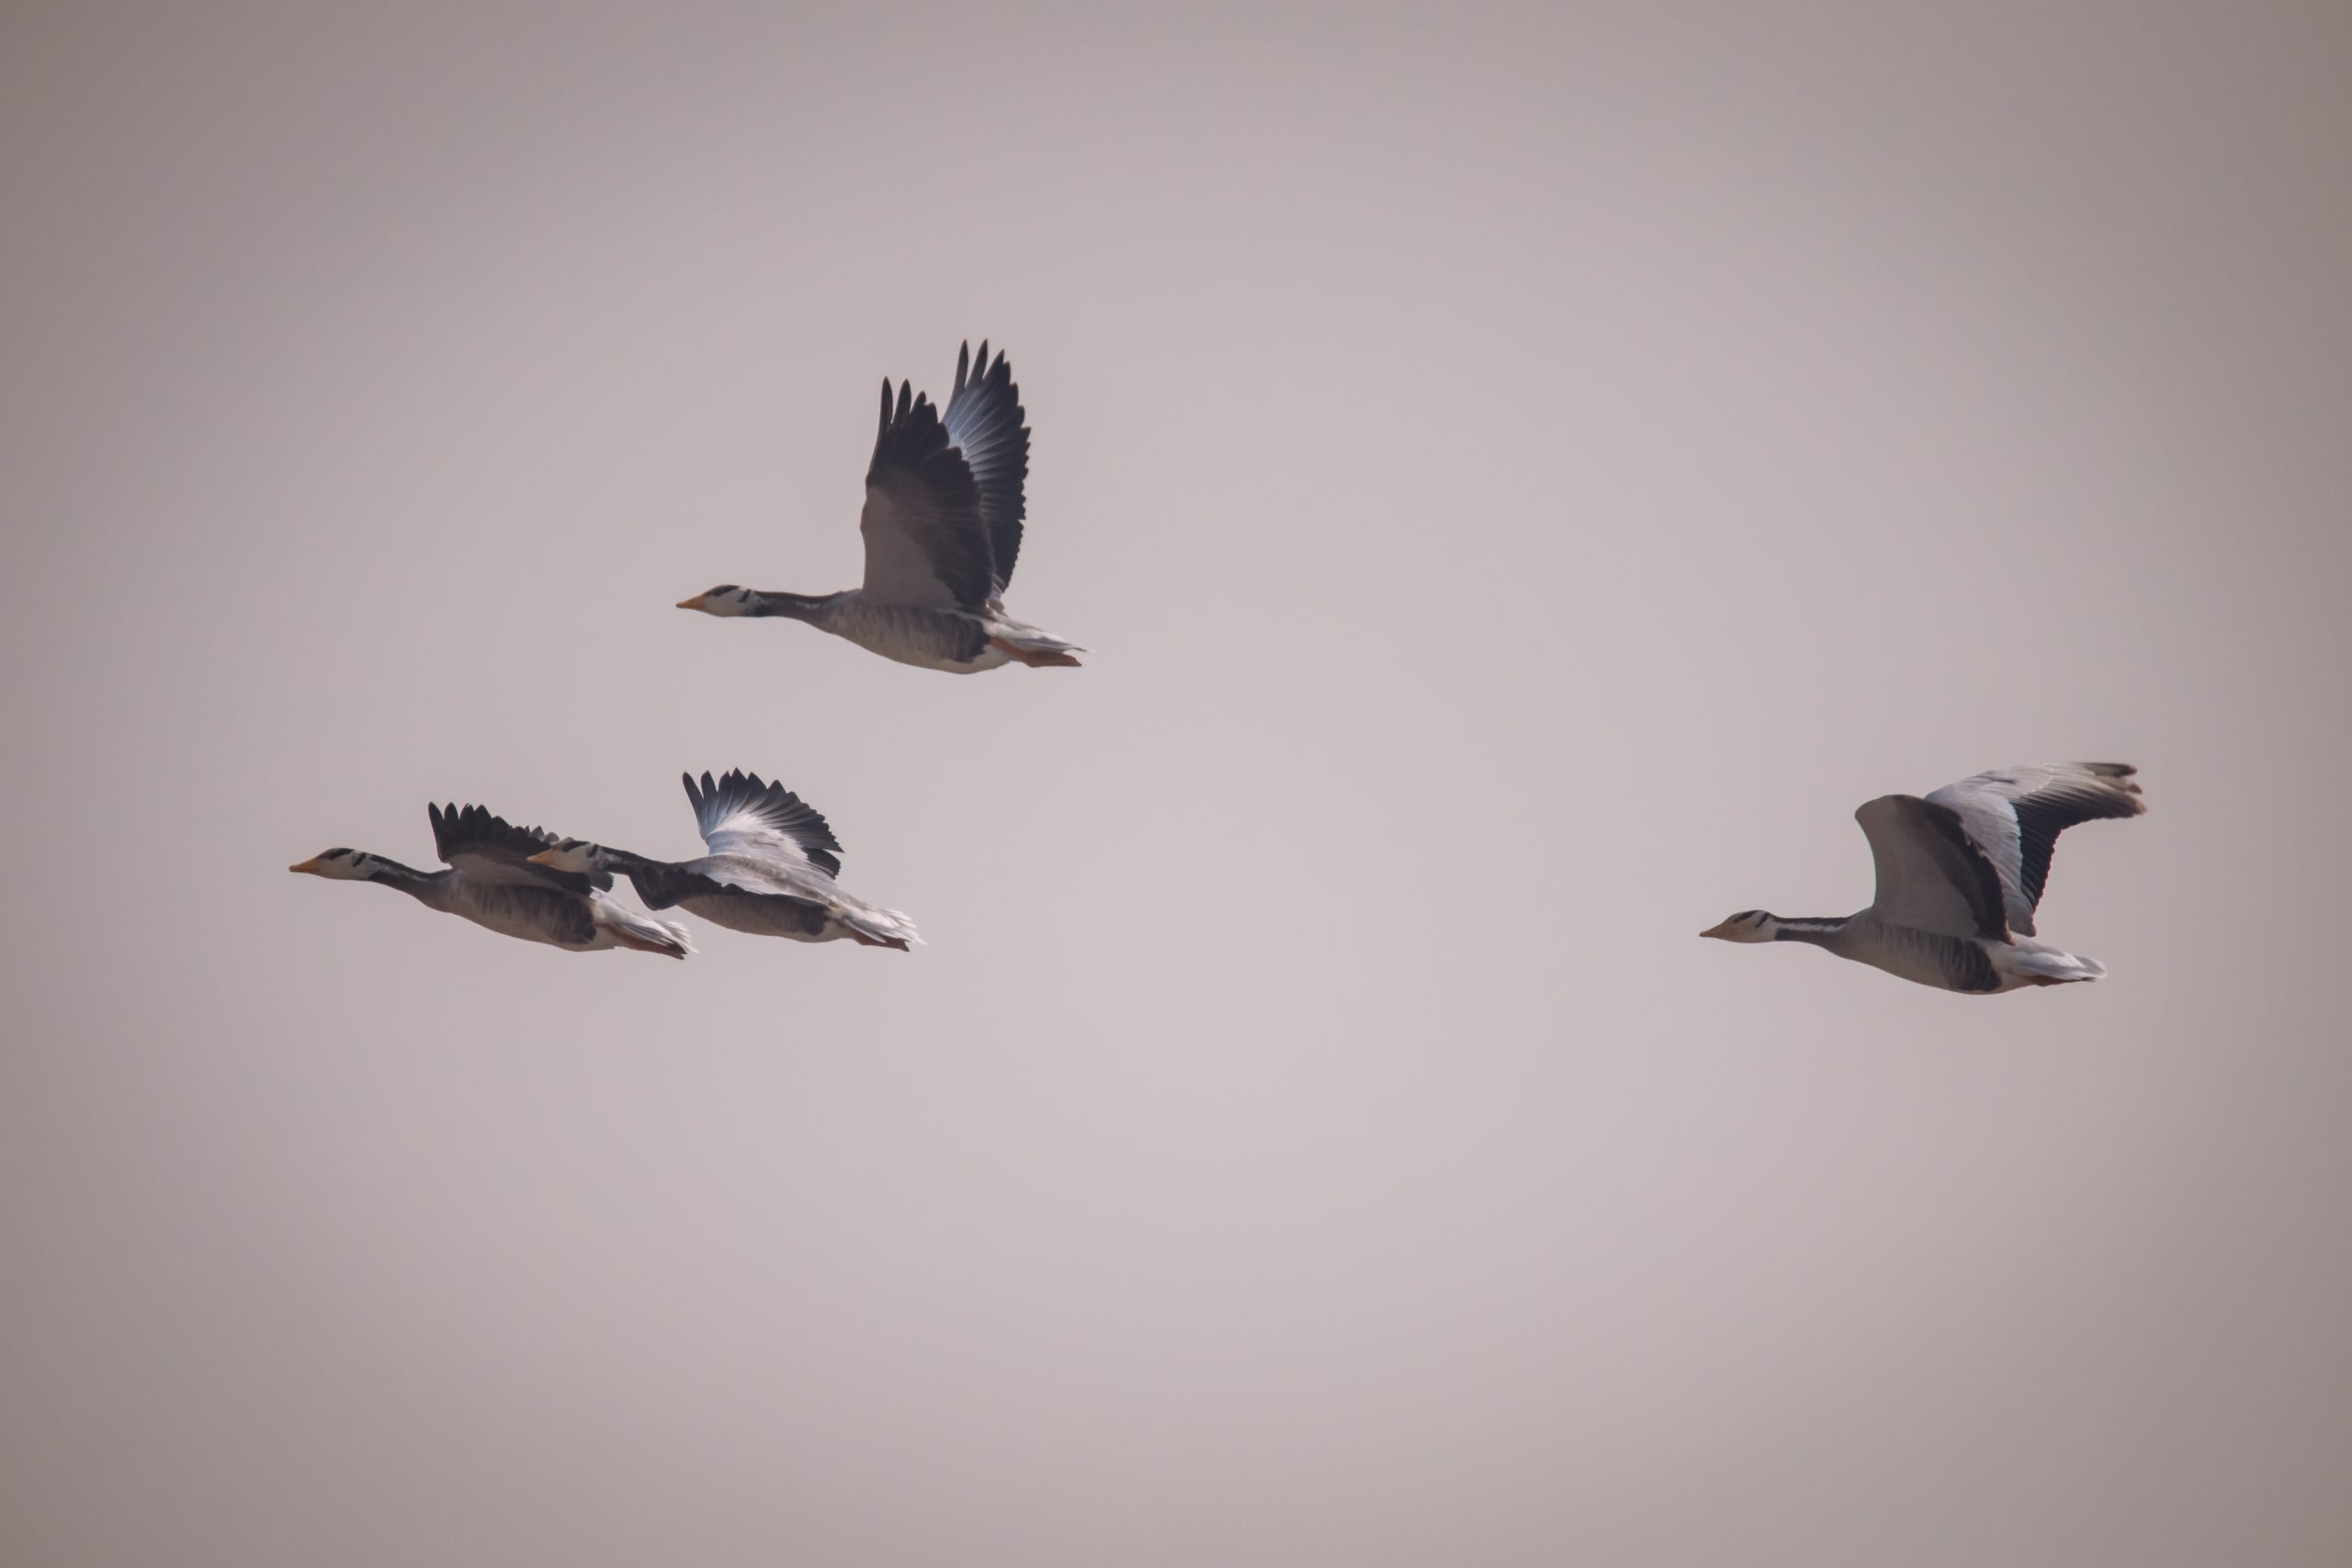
column 1027, row 644
column 643, row 933
column 2036, row 963
column 879, row 928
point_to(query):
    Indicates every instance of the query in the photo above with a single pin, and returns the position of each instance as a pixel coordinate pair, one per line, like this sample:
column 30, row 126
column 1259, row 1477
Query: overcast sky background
column 1525, row 474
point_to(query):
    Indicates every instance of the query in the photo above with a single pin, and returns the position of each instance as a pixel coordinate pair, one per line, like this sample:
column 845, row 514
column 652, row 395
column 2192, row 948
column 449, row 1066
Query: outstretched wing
column 2014, row 816
column 491, row 850
column 987, row 427
column 663, row 885
column 1931, row 876
column 741, row 814
column 926, row 543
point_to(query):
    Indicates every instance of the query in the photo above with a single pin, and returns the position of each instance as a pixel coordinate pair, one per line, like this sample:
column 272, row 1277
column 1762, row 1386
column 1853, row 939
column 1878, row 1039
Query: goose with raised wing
column 489, row 877
column 942, row 523
column 769, row 870
column 1960, row 875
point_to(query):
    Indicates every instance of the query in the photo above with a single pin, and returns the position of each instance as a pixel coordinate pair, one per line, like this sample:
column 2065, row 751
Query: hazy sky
column 1525, row 474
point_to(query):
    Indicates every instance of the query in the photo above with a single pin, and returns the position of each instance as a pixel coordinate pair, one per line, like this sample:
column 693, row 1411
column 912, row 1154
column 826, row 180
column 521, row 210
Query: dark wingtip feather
column 989, row 429
column 2121, row 774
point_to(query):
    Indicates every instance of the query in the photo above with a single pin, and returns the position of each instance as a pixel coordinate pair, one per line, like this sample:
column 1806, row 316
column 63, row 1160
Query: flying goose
column 491, row 880
column 943, row 529
column 1959, row 876
column 769, row 870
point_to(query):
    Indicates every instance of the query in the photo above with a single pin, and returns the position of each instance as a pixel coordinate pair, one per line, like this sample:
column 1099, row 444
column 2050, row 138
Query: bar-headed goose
column 769, row 870
column 1959, row 876
column 489, row 879
column 943, row 529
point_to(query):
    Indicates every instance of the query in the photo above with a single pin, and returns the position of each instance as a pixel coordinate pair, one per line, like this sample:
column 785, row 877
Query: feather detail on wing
column 491, row 850
column 986, row 426
column 742, row 814
column 1931, row 876
column 2015, row 815
column 926, row 541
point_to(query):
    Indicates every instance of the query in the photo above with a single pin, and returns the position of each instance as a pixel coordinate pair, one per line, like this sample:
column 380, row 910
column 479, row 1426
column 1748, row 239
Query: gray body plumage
column 930, row 638
column 1930, row 958
column 516, row 910
column 769, row 914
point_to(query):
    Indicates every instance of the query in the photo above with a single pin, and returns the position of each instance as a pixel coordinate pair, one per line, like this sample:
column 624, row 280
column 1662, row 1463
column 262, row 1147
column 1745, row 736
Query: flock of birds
column 1960, row 871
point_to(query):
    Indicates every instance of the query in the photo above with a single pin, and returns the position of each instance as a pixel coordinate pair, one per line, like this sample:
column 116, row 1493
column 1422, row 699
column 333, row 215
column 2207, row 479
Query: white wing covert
column 742, row 814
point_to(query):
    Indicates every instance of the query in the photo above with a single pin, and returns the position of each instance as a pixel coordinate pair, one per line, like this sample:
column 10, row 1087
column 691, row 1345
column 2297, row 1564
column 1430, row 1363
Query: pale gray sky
column 1525, row 473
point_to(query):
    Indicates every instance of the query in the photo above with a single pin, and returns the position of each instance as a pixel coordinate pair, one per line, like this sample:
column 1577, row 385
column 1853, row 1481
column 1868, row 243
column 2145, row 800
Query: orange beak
column 692, row 604
column 311, row 865
column 1722, row 930
column 543, row 857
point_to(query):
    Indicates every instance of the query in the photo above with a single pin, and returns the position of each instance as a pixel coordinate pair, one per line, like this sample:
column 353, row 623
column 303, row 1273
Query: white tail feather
column 886, row 926
column 1030, row 646
column 645, row 932
column 2037, row 963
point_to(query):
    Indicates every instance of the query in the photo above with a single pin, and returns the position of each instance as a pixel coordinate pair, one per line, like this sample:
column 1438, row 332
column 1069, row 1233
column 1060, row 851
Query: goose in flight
column 943, row 529
column 769, row 870
column 489, row 879
column 1959, row 876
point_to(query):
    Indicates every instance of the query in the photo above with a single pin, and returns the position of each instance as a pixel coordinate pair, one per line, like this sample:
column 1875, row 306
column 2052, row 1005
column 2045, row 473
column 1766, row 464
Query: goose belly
column 762, row 914
column 532, row 914
column 929, row 640
column 1926, row 958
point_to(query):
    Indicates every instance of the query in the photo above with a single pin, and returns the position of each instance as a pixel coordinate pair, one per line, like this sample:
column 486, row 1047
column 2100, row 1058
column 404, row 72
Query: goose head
column 344, row 865
column 575, row 855
column 724, row 600
column 1749, row 925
